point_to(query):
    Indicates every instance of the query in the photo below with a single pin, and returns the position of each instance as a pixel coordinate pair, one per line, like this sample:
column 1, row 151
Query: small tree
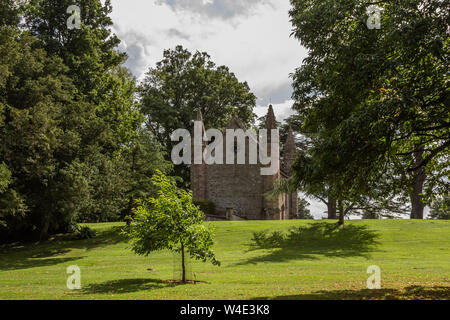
column 171, row 221
column 303, row 211
column 440, row 209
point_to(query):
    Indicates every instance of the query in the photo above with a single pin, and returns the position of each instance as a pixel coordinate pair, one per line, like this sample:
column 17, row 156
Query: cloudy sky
column 251, row 37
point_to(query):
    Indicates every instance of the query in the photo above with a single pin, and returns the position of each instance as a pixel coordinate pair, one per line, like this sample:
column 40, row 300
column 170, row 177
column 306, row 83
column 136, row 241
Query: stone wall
column 238, row 187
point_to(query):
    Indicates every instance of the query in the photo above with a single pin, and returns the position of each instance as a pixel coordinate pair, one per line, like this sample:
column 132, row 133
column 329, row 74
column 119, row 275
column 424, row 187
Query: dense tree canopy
column 35, row 98
column 440, row 208
column 72, row 148
column 375, row 101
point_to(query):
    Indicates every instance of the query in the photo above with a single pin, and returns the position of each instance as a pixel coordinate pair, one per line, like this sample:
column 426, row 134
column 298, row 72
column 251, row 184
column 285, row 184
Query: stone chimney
column 271, row 122
column 272, row 207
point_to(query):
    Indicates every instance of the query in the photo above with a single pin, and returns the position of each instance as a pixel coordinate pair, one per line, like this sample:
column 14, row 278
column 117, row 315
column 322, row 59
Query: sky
column 251, row 37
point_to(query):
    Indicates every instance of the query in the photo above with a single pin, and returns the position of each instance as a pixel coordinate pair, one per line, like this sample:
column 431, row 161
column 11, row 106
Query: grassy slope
column 414, row 257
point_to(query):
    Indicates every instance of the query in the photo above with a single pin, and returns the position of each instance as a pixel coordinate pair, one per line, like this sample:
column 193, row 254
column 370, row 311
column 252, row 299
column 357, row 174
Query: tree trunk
column 419, row 176
column 43, row 234
column 331, row 205
column 183, row 265
column 129, row 209
column 341, row 213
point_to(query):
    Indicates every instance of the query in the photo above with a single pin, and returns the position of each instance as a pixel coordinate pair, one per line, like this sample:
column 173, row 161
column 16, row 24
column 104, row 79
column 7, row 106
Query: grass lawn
column 414, row 257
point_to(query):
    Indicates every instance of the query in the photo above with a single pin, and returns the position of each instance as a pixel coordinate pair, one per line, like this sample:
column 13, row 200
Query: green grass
column 414, row 257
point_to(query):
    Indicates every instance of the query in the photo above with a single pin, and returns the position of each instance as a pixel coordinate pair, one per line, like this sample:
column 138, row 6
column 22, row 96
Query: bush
column 207, row 207
column 266, row 240
column 128, row 220
column 85, row 233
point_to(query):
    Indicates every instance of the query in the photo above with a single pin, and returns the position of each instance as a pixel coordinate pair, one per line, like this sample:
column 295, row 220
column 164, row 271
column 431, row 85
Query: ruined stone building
column 240, row 188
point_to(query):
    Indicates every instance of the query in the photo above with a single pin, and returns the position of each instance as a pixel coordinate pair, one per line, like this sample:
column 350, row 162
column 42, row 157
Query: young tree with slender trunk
column 183, row 83
column 171, row 221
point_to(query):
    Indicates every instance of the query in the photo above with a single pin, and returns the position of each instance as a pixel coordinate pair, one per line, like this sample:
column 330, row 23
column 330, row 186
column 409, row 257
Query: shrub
column 207, row 207
column 128, row 220
column 85, row 233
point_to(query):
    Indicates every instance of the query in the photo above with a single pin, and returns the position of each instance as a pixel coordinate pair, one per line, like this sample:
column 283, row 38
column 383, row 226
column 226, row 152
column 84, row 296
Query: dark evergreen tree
column 303, row 211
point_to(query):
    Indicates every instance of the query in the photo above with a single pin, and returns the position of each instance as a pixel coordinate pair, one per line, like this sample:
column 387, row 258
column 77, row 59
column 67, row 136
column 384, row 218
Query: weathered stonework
column 242, row 188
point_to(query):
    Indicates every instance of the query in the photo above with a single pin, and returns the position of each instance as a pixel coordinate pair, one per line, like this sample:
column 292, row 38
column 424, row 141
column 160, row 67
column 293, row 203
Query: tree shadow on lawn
column 51, row 252
column 127, row 286
column 306, row 242
column 408, row 293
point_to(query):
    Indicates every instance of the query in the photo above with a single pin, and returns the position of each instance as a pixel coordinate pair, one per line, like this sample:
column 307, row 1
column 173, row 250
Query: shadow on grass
column 127, row 286
column 307, row 242
column 52, row 252
column 408, row 293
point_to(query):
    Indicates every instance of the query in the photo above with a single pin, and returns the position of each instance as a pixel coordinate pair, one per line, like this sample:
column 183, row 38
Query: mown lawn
column 414, row 257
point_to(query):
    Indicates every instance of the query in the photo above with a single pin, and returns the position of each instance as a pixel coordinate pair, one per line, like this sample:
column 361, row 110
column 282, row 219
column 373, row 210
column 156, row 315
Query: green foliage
column 10, row 12
column 171, row 221
column 105, row 132
column 5, row 177
column 373, row 102
column 370, row 215
column 85, row 232
column 207, row 207
column 90, row 53
column 440, row 209
column 142, row 161
column 303, row 211
column 12, row 207
column 266, row 240
column 35, row 97
column 71, row 147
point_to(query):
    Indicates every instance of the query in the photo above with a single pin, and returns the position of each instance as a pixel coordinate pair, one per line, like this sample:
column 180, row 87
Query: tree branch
column 432, row 154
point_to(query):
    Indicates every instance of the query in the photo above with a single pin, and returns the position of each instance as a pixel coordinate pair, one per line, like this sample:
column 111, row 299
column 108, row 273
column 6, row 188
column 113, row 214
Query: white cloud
column 224, row 9
column 281, row 110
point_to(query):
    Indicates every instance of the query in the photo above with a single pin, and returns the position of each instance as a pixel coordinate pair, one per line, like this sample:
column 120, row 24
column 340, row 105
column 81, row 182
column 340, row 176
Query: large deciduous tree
column 375, row 100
